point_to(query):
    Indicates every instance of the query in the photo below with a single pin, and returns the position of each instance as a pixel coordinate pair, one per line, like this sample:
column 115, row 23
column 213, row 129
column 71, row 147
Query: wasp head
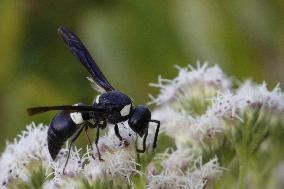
column 139, row 119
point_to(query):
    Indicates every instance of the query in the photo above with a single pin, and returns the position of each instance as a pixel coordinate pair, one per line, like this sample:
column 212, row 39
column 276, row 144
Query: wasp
column 110, row 107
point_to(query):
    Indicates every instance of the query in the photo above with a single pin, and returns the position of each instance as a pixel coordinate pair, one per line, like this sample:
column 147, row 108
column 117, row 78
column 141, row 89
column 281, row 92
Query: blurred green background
column 133, row 42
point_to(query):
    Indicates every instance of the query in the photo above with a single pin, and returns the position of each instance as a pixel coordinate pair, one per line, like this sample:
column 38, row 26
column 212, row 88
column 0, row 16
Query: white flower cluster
column 119, row 156
column 118, row 164
column 190, row 82
column 63, row 184
column 64, row 180
column 30, row 146
column 223, row 104
column 258, row 95
column 174, row 124
column 73, row 168
column 195, row 177
column 119, row 159
column 174, row 160
column 110, row 142
column 194, row 131
column 186, row 129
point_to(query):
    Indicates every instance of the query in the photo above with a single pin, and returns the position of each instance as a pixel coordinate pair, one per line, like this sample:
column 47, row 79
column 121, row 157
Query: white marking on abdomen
column 77, row 118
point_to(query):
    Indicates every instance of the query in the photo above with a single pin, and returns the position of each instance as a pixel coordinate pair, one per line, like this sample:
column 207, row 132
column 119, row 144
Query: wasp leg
column 86, row 133
column 73, row 138
column 96, row 142
column 156, row 133
column 103, row 125
column 116, row 130
column 144, row 143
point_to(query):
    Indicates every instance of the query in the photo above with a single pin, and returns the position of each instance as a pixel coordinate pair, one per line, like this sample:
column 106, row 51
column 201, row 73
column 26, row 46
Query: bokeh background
column 133, row 42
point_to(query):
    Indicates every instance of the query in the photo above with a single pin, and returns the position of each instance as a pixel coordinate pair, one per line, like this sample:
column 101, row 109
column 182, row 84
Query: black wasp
column 110, row 107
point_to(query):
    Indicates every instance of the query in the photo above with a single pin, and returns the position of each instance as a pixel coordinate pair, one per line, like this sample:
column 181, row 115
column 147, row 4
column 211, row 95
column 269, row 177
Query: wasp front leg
column 122, row 140
column 89, row 140
column 102, row 124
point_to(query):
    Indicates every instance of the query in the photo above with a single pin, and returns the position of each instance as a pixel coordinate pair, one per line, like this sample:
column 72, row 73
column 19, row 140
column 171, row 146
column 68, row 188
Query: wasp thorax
column 118, row 103
column 114, row 98
column 139, row 119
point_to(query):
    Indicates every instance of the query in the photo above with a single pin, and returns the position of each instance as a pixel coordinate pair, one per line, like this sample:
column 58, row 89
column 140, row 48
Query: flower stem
column 242, row 168
column 243, row 156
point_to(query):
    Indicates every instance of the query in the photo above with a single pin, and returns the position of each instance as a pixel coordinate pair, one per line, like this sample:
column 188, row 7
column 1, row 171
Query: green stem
column 243, row 156
column 242, row 168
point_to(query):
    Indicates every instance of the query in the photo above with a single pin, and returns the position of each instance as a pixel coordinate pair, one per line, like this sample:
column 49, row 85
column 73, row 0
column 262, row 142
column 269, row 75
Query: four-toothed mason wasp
column 111, row 107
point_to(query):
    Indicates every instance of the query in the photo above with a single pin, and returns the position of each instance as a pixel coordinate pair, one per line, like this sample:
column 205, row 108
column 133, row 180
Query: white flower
column 117, row 155
column 50, row 184
column 174, row 123
column 225, row 105
column 168, row 180
column 174, row 180
column 122, row 164
column 119, row 164
column 195, row 178
column 30, row 146
column 201, row 82
column 186, row 129
column 73, row 167
column 206, row 129
column 258, row 95
column 111, row 142
column 178, row 159
column 4, row 176
column 64, row 184
column 208, row 171
column 94, row 170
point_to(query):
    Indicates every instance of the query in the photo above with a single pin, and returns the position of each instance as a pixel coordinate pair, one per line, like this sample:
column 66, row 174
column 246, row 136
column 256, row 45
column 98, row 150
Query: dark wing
column 80, row 51
column 42, row 109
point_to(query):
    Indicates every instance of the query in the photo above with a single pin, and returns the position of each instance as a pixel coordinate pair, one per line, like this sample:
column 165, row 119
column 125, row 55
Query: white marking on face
column 98, row 99
column 125, row 111
column 77, row 118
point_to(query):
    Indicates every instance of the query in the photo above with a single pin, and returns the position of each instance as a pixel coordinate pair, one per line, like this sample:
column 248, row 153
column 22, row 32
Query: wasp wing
column 42, row 109
column 95, row 85
column 79, row 50
column 98, row 109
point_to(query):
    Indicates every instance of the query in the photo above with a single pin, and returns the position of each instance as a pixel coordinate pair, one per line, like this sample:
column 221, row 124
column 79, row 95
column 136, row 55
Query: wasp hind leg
column 89, row 140
column 73, row 138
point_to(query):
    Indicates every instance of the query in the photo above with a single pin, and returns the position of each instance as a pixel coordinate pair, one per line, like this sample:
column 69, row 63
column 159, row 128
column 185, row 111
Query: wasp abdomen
column 54, row 143
column 62, row 127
